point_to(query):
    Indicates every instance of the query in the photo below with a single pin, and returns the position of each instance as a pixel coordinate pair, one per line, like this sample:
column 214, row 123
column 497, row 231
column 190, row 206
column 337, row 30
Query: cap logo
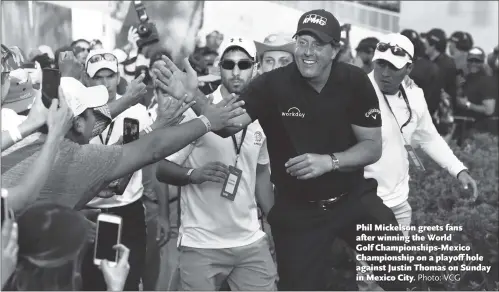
column 314, row 18
column 271, row 38
column 233, row 40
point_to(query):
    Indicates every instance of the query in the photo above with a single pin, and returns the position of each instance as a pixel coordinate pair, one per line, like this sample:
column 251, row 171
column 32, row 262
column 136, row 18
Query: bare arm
column 59, row 122
column 263, row 190
column 367, row 150
column 243, row 120
column 28, row 127
column 164, row 142
column 118, row 106
column 171, row 173
column 487, row 107
column 159, row 144
column 34, row 179
column 133, row 94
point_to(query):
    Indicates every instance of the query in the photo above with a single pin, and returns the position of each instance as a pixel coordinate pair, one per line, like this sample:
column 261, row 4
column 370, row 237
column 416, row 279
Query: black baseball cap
column 411, row 34
column 367, row 45
column 435, row 36
column 463, row 40
column 476, row 53
column 50, row 233
column 322, row 24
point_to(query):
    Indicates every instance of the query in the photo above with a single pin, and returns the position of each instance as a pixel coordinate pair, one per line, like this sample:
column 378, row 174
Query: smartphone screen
column 130, row 130
column 51, row 80
column 107, row 237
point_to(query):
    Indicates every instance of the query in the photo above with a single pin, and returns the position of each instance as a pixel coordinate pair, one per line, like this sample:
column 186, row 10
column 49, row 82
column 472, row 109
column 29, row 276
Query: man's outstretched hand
column 220, row 115
column 170, row 79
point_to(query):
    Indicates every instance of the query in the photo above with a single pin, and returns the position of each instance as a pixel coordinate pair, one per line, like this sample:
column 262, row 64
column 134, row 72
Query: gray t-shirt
column 78, row 174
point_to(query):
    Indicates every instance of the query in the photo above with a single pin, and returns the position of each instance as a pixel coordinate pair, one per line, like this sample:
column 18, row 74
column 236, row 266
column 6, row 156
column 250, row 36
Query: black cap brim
column 319, row 34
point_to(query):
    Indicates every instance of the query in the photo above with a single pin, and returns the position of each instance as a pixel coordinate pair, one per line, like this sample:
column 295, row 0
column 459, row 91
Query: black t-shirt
column 448, row 73
column 427, row 76
column 298, row 120
column 478, row 87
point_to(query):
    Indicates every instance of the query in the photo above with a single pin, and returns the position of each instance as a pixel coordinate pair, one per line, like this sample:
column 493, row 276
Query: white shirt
column 10, row 119
column 392, row 169
column 134, row 189
column 207, row 219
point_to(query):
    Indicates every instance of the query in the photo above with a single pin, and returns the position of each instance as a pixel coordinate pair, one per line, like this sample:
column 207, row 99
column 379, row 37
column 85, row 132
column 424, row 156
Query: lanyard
column 236, row 147
column 408, row 107
column 109, row 132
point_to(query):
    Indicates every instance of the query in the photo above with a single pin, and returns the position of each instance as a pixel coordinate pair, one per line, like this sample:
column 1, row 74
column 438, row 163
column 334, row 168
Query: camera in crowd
column 147, row 30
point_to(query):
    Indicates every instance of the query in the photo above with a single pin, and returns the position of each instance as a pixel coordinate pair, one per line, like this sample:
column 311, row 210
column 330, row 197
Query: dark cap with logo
column 320, row 23
column 463, row 40
column 411, row 34
column 434, row 36
column 476, row 53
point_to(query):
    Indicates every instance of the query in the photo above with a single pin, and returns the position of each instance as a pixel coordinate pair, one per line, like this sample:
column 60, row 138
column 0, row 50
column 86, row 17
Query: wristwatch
column 335, row 161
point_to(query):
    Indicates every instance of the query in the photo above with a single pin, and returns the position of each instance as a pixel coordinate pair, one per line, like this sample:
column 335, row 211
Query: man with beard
column 220, row 236
column 323, row 125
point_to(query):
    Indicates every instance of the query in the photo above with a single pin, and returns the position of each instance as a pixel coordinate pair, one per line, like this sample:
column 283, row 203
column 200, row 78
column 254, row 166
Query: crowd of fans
column 61, row 164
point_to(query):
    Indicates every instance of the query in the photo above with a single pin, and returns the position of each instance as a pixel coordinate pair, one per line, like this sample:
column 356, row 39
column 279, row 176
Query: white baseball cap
column 79, row 98
column 398, row 42
column 243, row 43
column 107, row 60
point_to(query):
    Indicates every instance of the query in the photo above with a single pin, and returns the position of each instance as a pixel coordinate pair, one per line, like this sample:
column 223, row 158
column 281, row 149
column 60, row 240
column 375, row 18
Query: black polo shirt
column 298, row 120
column 478, row 87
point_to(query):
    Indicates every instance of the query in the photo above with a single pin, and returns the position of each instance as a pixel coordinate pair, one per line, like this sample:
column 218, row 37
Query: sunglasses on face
column 100, row 57
column 242, row 65
column 396, row 50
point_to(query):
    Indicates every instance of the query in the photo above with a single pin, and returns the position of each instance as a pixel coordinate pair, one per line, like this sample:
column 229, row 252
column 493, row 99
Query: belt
column 324, row 204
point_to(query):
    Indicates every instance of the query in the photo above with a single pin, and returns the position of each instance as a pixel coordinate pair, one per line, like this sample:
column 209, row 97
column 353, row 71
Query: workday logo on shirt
column 294, row 112
column 373, row 113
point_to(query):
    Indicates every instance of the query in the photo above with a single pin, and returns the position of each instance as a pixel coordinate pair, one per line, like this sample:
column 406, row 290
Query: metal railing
column 352, row 12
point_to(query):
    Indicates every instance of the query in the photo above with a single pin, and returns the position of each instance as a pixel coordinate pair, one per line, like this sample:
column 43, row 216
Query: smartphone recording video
column 130, row 130
column 51, row 79
column 108, row 235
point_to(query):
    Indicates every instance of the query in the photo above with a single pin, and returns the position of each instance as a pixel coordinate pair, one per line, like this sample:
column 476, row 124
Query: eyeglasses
column 242, row 65
column 396, row 50
column 100, row 57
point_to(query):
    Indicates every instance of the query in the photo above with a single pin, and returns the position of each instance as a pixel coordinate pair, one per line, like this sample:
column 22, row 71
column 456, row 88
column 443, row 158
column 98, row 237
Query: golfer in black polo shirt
column 322, row 122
